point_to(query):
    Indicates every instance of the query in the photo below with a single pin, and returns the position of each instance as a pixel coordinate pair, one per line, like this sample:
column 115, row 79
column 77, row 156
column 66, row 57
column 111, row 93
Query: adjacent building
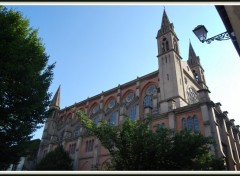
column 176, row 95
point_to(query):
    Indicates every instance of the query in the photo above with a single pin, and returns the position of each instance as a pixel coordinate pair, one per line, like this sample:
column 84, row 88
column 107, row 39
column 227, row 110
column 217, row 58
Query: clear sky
column 98, row 47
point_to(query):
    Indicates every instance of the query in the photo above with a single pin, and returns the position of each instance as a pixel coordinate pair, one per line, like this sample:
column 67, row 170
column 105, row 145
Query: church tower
column 170, row 66
column 195, row 65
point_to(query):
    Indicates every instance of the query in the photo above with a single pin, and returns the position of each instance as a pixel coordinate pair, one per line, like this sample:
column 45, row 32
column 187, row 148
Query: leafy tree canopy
column 57, row 159
column 133, row 146
column 25, row 77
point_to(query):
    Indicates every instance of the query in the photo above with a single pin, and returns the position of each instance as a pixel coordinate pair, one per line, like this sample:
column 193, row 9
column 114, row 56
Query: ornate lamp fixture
column 201, row 32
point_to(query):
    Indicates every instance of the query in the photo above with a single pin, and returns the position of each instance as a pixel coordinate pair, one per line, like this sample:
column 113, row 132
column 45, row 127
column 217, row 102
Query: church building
column 176, row 95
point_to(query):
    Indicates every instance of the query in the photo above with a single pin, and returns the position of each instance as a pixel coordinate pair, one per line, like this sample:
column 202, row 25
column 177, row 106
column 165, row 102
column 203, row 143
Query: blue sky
column 97, row 47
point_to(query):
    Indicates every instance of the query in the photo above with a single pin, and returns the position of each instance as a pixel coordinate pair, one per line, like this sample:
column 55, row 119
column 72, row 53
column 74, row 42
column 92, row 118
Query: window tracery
column 192, row 96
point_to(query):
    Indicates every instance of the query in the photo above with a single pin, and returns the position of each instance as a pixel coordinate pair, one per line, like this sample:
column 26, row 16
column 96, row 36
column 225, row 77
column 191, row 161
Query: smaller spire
column 191, row 53
column 193, row 59
column 55, row 103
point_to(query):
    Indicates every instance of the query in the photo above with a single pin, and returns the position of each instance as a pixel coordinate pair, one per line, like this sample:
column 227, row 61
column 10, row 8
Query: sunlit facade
column 176, row 96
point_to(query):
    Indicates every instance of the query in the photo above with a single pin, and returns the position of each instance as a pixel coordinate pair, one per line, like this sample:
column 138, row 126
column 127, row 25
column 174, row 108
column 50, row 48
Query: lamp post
column 201, row 32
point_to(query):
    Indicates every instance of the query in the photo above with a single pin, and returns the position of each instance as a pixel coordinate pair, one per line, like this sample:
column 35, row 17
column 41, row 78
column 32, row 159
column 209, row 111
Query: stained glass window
column 133, row 113
column 184, row 123
column 111, row 104
column 151, row 90
column 190, row 123
column 129, row 97
column 196, row 124
column 95, row 109
column 148, row 102
column 113, row 118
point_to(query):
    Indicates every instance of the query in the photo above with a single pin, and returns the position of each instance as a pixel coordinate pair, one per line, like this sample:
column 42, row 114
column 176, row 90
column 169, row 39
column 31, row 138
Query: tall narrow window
column 133, row 113
column 92, row 144
column 190, row 123
column 77, row 131
column 195, row 122
column 113, row 118
column 167, row 77
column 184, row 123
column 89, row 145
column 167, row 46
column 163, row 47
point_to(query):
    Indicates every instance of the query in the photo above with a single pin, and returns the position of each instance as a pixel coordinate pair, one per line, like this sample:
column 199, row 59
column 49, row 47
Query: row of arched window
column 190, row 123
column 148, row 99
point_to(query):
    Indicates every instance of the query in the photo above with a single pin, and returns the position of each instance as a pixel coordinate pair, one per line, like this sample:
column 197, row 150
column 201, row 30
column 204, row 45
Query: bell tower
column 170, row 66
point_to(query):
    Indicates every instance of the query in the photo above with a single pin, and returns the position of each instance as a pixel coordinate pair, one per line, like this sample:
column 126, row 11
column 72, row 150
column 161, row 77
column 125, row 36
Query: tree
column 133, row 146
column 57, row 159
column 24, row 81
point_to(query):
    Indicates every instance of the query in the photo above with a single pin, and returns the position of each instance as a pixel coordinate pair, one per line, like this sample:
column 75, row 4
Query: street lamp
column 201, row 32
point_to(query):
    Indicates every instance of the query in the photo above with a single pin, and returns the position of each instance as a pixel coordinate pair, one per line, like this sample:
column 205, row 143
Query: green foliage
column 24, row 81
column 30, row 149
column 133, row 146
column 57, row 159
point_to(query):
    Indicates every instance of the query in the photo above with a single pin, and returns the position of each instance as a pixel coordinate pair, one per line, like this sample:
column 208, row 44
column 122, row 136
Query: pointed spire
column 191, row 53
column 192, row 57
column 165, row 20
column 166, row 26
column 55, row 103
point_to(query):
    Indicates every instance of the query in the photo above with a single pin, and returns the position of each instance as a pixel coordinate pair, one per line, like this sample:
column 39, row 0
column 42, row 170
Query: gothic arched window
column 165, row 45
column 148, row 99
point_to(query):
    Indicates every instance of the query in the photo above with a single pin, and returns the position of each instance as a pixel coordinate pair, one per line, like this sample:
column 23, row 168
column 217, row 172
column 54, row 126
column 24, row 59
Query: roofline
column 112, row 90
